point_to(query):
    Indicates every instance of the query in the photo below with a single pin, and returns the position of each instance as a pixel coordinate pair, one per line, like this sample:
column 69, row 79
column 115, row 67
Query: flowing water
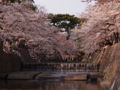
column 61, row 66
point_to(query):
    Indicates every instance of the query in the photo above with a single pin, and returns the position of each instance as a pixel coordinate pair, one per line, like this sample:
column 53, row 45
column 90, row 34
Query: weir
column 62, row 66
column 55, row 71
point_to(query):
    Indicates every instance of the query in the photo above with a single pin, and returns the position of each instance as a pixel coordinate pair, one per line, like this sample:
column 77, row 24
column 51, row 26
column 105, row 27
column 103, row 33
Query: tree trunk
column 68, row 36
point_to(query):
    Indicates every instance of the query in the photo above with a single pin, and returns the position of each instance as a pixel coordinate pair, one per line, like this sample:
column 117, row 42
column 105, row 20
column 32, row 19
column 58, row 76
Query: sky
column 74, row 7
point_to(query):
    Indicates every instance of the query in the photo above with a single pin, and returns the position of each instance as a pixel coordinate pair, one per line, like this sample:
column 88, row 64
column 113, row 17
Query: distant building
column 73, row 36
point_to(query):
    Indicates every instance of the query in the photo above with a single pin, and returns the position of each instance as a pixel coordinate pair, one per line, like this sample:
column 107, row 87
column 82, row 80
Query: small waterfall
column 61, row 66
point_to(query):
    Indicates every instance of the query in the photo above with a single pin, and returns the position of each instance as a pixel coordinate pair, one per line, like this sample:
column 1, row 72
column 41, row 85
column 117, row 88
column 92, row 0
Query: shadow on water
column 47, row 85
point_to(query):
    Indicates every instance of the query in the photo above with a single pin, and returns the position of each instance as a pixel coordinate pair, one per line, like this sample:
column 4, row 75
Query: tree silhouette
column 65, row 21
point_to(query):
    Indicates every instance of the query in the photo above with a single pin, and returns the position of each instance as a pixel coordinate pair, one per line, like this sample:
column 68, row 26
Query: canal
column 66, row 77
column 51, row 81
column 47, row 85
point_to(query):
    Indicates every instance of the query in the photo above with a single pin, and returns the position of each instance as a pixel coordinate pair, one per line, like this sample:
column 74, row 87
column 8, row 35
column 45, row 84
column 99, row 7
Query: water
column 50, row 84
column 65, row 70
column 47, row 85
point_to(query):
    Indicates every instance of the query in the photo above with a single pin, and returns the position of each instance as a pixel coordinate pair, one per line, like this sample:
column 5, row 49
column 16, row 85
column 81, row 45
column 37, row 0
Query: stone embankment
column 109, row 60
column 8, row 62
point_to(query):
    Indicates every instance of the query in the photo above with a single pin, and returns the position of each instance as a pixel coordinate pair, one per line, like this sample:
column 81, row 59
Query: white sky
column 62, row 6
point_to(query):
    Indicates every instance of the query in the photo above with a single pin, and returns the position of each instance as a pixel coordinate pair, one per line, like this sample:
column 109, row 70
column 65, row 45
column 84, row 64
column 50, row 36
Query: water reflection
column 47, row 85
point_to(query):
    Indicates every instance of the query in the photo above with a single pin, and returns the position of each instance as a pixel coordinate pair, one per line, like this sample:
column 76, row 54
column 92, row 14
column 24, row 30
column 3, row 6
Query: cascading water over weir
column 62, row 66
